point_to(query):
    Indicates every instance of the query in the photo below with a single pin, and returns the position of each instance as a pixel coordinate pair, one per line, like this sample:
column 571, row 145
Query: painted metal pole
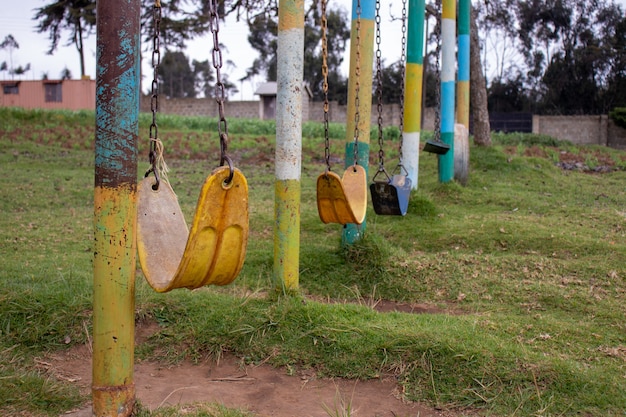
column 117, row 127
column 448, row 70
column 287, row 188
column 359, row 114
column 413, row 90
column 463, row 83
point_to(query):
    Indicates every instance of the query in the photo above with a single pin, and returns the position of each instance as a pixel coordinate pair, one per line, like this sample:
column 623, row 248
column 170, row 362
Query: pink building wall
column 74, row 94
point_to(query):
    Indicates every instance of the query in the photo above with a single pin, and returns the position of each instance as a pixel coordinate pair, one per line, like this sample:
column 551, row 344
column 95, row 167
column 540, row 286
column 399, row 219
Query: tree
column 9, row 43
column 478, row 90
column 76, row 16
column 177, row 79
column 203, row 77
column 263, row 37
column 66, row 74
column 338, row 35
column 615, row 38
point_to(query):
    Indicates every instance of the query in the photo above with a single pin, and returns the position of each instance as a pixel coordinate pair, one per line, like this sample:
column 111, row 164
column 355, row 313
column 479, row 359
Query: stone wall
column 587, row 130
column 598, row 130
column 202, row 107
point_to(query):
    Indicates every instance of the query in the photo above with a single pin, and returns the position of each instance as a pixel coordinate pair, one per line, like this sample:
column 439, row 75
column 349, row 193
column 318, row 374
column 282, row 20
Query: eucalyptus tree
column 78, row 17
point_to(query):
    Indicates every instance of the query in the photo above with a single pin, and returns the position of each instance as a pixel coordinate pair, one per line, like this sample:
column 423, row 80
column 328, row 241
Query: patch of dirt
column 262, row 389
column 586, row 159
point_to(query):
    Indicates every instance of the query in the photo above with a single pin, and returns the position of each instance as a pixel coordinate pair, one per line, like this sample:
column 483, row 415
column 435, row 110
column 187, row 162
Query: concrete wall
column 80, row 94
column 588, row 130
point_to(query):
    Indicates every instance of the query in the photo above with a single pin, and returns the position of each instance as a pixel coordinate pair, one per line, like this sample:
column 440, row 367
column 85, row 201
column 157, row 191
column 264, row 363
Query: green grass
column 525, row 268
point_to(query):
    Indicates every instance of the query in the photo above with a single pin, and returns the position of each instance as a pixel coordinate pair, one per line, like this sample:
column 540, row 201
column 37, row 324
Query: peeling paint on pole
column 117, row 114
column 351, row 232
column 412, row 117
column 287, row 189
column 448, row 70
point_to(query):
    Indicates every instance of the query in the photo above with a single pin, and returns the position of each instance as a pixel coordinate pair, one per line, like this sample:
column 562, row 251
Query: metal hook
column 152, row 156
column 229, row 180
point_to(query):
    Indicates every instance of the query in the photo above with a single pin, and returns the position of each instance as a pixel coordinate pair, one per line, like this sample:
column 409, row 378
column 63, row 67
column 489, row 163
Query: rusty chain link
column 379, row 92
column 357, row 87
column 324, row 25
column 438, row 17
column 220, row 89
column 156, row 149
column 403, row 81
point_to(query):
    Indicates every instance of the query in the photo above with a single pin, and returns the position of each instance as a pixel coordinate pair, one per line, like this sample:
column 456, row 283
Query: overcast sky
column 16, row 19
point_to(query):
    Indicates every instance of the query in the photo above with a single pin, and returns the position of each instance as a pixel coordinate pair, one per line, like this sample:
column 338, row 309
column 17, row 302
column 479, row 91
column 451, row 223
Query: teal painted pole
column 463, row 84
column 448, row 70
column 114, row 263
column 414, row 74
column 361, row 70
column 288, row 144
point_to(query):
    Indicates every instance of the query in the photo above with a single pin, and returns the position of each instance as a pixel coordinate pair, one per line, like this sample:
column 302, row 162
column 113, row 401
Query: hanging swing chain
column 403, row 81
column 438, row 16
column 324, row 25
column 157, row 164
column 379, row 92
column 357, row 87
column 220, row 89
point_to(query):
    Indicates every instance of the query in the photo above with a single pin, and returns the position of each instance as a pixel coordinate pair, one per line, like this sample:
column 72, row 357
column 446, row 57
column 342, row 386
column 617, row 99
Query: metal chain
column 403, row 81
column 379, row 91
column 357, row 75
column 220, row 90
column 154, row 98
column 438, row 17
column 324, row 24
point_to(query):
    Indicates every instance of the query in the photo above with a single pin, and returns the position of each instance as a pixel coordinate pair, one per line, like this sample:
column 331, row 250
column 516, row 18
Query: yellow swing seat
column 342, row 200
column 212, row 252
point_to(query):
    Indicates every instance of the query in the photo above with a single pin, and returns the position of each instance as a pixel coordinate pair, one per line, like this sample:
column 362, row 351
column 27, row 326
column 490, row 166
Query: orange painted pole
column 117, row 127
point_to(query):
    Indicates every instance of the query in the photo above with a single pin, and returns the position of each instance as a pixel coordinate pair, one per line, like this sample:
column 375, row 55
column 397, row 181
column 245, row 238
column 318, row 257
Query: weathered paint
column 448, row 71
column 414, row 74
column 113, row 388
column 290, row 15
column 463, row 86
column 288, row 157
column 352, row 232
column 368, row 9
column 117, row 115
column 287, row 234
column 289, row 104
column 410, row 151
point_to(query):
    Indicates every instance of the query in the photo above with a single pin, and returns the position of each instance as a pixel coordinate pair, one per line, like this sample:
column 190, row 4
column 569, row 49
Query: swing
column 213, row 251
column 390, row 195
column 341, row 200
column 436, row 145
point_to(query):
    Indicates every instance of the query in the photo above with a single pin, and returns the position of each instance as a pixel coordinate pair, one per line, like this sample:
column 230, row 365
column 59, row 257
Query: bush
column 618, row 115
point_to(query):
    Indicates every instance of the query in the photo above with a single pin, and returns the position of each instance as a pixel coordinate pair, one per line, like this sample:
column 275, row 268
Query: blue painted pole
column 117, row 128
column 448, row 76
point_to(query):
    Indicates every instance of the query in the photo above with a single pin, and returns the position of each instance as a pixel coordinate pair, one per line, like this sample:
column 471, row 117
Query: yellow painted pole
column 361, row 70
column 463, row 83
column 117, row 114
column 288, row 159
column 413, row 91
